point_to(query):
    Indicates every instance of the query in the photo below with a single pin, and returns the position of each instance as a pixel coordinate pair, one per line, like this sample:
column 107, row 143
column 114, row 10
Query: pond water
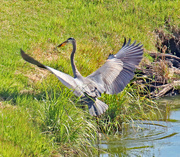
column 147, row 138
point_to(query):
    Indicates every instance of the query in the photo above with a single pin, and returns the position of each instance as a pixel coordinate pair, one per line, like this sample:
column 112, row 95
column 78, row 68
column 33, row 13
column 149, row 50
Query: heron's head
column 69, row 40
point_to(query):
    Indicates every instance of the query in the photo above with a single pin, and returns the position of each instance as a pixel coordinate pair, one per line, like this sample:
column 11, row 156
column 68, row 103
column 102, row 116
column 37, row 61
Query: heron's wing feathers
column 119, row 69
column 66, row 79
column 130, row 54
column 106, row 74
column 31, row 60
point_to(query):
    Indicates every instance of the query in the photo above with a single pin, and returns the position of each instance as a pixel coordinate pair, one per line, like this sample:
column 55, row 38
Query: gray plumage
column 111, row 78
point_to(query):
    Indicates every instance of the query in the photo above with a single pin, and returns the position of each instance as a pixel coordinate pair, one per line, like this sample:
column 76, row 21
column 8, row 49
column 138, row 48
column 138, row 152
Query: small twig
column 162, row 55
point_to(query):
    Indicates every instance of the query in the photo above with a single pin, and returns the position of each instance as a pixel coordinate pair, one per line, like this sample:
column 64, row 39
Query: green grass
column 37, row 102
column 19, row 136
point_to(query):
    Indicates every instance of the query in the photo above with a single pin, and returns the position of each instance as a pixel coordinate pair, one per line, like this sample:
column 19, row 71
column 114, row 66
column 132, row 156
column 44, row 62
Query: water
column 148, row 138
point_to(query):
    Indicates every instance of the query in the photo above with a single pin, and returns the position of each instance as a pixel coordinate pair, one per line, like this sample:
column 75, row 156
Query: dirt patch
column 50, row 54
column 38, row 75
column 169, row 42
column 7, row 106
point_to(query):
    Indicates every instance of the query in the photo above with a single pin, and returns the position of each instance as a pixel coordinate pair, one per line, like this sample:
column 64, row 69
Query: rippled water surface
column 148, row 138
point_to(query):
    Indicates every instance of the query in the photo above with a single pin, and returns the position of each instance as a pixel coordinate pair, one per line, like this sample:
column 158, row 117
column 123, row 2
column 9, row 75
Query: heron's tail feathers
column 97, row 107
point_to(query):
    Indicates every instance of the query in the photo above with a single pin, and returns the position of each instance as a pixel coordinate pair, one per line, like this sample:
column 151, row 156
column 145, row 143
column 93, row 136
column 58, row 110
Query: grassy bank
column 39, row 116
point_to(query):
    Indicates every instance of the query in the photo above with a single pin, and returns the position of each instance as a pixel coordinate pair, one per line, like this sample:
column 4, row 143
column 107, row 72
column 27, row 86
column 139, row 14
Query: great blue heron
column 111, row 78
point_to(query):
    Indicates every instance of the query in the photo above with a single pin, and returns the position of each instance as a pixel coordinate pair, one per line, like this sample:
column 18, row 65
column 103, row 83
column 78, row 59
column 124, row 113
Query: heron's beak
column 63, row 44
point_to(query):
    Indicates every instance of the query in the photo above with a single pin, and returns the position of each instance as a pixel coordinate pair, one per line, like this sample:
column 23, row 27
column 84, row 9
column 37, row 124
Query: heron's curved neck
column 75, row 71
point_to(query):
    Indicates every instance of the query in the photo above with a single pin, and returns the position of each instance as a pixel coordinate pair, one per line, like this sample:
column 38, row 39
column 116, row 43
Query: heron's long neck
column 75, row 71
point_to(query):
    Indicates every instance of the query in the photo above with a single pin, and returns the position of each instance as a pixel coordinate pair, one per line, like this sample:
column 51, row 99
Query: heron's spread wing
column 107, row 73
column 119, row 69
column 66, row 79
